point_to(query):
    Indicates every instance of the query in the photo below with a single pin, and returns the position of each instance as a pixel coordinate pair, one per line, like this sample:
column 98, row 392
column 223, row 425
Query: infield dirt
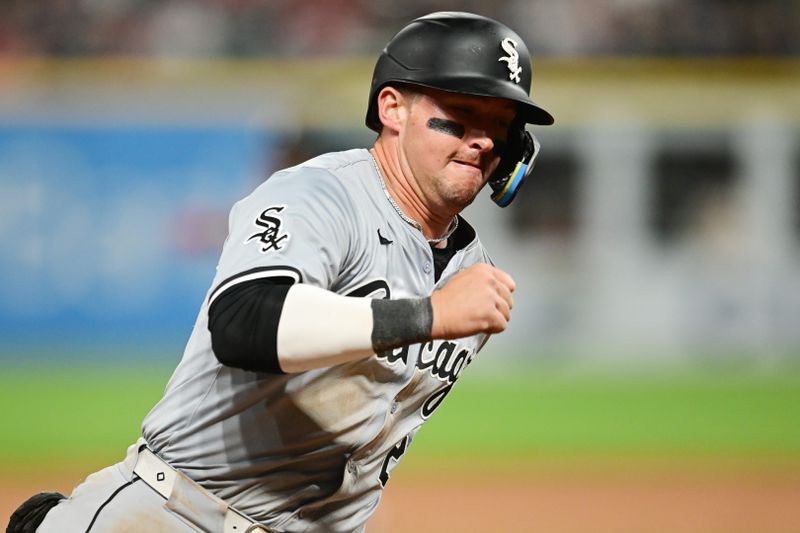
column 552, row 500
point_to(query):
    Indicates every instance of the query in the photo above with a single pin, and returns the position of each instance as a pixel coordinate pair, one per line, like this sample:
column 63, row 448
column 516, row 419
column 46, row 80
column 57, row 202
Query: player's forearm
column 263, row 326
column 319, row 328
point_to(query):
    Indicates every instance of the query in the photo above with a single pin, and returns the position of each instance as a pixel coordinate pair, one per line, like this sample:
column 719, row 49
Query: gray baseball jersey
column 313, row 450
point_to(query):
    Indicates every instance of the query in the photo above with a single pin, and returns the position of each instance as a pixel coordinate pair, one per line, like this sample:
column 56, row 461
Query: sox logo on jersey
column 271, row 236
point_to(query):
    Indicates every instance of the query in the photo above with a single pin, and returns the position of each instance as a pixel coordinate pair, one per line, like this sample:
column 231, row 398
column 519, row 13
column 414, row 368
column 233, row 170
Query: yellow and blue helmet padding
column 505, row 189
column 504, row 196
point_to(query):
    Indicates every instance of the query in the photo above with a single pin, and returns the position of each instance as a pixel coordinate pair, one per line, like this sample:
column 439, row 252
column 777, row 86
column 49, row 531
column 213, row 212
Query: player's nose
column 479, row 139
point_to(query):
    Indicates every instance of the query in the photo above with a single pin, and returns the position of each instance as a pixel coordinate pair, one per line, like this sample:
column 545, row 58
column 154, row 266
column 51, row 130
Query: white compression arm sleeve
column 319, row 328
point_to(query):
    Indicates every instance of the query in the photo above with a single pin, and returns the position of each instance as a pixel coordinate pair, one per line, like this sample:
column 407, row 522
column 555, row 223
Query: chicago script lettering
column 442, row 359
column 436, row 357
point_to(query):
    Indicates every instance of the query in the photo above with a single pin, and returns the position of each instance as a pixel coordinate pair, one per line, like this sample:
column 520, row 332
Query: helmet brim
column 529, row 111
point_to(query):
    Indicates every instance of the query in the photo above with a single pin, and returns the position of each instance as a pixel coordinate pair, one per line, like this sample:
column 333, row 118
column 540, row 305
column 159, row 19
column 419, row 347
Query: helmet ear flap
column 515, row 166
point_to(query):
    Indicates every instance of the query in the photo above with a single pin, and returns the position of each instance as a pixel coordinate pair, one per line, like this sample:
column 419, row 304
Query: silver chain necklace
column 450, row 229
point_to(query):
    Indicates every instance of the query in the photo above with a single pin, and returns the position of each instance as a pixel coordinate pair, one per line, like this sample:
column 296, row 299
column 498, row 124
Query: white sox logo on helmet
column 510, row 47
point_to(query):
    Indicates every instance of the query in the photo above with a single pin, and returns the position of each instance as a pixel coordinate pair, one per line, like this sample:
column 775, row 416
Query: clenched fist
column 476, row 300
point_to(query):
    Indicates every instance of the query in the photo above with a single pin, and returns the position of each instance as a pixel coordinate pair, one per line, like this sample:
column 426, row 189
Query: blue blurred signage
column 115, row 232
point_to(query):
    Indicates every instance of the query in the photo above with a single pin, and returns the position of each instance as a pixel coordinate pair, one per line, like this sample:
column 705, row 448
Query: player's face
column 451, row 144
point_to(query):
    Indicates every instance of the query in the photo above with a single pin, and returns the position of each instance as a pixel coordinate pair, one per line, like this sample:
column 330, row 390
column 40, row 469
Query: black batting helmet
column 462, row 53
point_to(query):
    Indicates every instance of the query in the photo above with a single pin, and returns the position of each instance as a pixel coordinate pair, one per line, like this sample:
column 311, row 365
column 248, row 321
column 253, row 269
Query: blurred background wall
column 662, row 223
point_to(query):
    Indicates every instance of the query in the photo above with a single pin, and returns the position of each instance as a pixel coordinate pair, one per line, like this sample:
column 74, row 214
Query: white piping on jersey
column 261, row 273
column 450, row 229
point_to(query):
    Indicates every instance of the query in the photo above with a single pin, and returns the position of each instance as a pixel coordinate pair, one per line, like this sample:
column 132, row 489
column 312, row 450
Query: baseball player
column 349, row 297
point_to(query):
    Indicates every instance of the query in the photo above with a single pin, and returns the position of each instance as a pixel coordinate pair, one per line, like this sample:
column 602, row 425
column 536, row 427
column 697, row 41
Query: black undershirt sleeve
column 243, row 322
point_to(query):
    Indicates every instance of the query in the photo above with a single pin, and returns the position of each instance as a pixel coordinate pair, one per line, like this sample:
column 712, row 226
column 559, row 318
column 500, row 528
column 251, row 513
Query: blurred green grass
column 55, row 414
column 51, row 415
column 695, row 414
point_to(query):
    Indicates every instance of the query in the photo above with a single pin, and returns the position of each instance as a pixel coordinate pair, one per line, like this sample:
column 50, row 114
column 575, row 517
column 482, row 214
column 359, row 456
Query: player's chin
column 461, row 196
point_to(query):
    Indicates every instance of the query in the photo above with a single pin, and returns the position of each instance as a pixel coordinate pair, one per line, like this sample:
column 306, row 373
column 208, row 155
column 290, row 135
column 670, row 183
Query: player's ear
column 393, row 108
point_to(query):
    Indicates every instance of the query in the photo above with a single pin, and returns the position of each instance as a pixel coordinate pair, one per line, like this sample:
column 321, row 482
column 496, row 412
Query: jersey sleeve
column 294, row 227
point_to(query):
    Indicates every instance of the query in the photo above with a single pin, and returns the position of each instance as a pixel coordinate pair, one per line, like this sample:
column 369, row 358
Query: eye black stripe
column 448, row 127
